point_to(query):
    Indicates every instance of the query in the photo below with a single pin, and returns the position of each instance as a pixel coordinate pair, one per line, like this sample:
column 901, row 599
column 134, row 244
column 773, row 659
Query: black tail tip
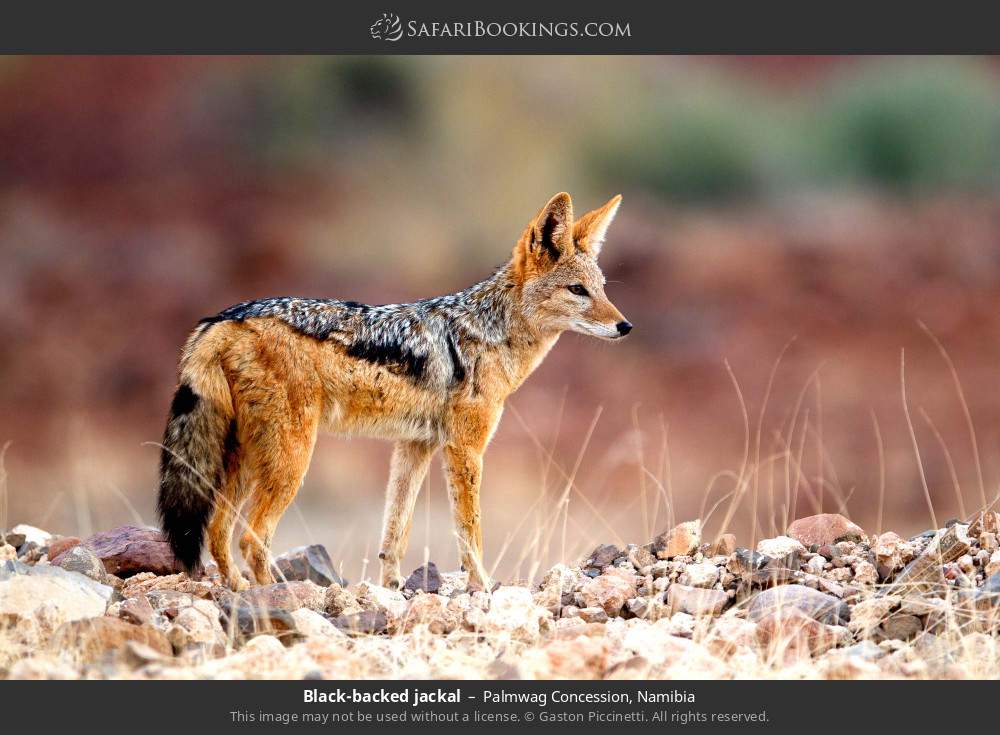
column 183, row 525
column 186, row 546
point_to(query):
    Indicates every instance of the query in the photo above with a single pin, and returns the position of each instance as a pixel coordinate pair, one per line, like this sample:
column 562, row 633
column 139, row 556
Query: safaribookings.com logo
column 387, row 28
column 390, row 28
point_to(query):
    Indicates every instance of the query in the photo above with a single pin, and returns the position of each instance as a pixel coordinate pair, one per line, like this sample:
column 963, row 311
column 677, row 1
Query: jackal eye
column 578, row 289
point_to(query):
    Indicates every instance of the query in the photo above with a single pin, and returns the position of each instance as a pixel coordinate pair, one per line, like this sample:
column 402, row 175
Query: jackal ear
column 590, row 229
column 547, row 238
column 552, row 232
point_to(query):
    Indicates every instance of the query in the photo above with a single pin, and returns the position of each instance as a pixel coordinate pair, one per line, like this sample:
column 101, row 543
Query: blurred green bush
column 691, row 153
column 901, row 125
column 913, row 126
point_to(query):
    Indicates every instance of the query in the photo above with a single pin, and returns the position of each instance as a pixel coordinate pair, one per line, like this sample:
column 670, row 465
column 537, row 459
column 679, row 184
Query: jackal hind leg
column 227, row 504
column 410, row 461
column 464, row 470
column 280, row 453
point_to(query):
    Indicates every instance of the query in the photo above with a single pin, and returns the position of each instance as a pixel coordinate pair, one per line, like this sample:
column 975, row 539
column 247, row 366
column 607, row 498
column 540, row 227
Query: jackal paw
column 238, row 583
column 391, row 576
column 393, row 581
column 476, row 584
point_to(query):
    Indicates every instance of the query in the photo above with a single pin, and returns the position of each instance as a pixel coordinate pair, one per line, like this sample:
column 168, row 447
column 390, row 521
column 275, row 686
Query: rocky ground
column 825, row 600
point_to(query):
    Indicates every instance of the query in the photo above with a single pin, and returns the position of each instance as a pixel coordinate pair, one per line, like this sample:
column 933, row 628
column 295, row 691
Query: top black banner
column 450, row 27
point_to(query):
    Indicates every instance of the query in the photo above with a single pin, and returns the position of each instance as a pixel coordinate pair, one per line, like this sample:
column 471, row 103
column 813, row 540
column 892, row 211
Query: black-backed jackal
column 259, row 380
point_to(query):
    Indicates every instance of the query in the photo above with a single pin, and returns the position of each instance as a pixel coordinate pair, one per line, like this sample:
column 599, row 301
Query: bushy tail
column 199, row 432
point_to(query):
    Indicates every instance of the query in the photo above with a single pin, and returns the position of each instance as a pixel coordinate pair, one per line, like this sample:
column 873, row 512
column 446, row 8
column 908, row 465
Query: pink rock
column 681, row 540
column 60, row 546
column 128, row 550
column 92, row 640
column 825, row 528
column 136, row 610
column 609, row 591
column 817, row 605
column 696, row 601
column 902, row 627
column 432, row 610
column 789, row 634
column 593, row 615
column 287, row 595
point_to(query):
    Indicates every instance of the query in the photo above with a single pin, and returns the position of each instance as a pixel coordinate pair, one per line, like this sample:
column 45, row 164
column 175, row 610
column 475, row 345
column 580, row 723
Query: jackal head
column 555, row 262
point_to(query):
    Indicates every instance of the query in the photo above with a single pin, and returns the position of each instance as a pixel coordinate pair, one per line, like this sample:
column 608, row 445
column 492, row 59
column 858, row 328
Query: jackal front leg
column 464, row 468
column 410, row 461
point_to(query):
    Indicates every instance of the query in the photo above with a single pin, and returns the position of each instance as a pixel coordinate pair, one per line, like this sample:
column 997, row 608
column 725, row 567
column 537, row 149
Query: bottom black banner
column 780, row 706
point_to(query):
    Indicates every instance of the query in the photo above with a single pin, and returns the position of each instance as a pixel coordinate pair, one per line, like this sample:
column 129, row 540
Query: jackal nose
column 624, row 328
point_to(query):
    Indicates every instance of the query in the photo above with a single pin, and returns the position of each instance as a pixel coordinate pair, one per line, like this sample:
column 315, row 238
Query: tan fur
column 281, row 387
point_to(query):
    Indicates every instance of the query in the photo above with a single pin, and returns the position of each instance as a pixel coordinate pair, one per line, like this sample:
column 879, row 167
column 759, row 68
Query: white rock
column 42, row 667
column 731, row 632
column 200, row 621
column 31, row 534
column 993, row 566
column 889, row 550
column 661, row 569
column 681, row 624
column 569, row 611
column 452, row 582
column 481, row 600
column 559, row 580
column 264, row 646
column 474, row 618
column 646, row 639
column 513, row 610
column 840, row 574
column 688, row 659
column 779, row 546
column 391, row 602
column 64, row 598
column 510, row 599
column 700, row 575
column 869, row 614
column 865, row 573
column 816, row 564
column 310, row 623
column 460, row 602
